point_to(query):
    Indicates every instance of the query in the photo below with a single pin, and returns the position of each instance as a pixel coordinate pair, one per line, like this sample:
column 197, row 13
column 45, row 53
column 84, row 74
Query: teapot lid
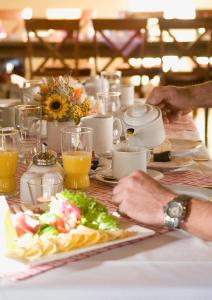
column 44, row 157
column 141, row 115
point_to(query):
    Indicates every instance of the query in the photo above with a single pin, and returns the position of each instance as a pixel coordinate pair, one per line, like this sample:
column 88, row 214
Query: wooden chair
column 66, row 33
column 146, row 14
column 203, row 41
column 11, row 20
column 123, row 37
column 203, row 13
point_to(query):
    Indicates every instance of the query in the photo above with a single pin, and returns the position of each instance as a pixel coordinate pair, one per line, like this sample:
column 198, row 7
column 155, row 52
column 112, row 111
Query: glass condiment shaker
column 44, row 168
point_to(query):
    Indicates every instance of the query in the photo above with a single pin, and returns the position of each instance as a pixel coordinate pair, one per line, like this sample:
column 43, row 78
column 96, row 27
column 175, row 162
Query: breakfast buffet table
column 166, row 265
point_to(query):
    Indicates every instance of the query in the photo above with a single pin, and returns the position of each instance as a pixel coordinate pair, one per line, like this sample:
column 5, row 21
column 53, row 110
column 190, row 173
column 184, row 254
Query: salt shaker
column 44, row 165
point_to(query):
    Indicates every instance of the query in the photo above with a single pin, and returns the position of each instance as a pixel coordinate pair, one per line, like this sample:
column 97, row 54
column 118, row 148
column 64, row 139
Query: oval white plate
column 193, row 191
column 182, row 147
column 105, row 175
column 174, row 163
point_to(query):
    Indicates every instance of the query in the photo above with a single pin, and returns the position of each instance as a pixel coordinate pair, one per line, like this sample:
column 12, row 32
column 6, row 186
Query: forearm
column 199, row 219
column 201, row 94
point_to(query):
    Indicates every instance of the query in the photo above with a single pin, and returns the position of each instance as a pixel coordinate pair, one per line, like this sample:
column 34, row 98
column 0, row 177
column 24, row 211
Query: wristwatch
column 175, row 211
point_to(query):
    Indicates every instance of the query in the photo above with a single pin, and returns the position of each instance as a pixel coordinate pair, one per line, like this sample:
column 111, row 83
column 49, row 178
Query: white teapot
column 143, row 125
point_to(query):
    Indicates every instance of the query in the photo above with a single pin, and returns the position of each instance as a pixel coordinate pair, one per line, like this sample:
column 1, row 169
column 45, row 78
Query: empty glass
column 8, row 160
column 111, row 81
column 31, row 91
column 28, row 122
column 108, row 103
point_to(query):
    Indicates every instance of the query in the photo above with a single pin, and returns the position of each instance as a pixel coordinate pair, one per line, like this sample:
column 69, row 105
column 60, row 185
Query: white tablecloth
column 172, row 266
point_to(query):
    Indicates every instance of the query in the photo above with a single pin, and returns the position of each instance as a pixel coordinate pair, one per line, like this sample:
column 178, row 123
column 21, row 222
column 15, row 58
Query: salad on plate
column 73, row 220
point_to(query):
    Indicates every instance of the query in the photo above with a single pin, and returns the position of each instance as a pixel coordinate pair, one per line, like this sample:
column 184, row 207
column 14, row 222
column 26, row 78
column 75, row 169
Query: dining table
column 170, row 264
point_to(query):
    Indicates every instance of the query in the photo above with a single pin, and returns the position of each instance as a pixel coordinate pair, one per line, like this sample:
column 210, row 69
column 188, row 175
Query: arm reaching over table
column 142, row 198
column 176, row 101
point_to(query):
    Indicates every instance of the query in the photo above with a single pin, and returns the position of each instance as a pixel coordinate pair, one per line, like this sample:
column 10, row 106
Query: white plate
column 141, row 232
column 196, row 192
column 174, row 163
column 184, row 146
column 102, row 176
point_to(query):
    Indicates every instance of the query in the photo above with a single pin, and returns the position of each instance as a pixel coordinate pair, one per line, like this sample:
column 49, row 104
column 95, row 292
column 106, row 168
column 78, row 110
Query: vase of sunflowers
column 64, row 102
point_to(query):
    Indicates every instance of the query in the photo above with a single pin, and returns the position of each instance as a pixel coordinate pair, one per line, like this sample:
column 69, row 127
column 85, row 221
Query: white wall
column 107, row 8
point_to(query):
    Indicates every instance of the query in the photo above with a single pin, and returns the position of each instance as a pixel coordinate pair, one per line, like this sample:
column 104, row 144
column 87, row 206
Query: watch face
column 175, row 210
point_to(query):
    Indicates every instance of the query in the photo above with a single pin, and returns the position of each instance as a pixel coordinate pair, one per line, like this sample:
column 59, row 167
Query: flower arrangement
column 63, row 98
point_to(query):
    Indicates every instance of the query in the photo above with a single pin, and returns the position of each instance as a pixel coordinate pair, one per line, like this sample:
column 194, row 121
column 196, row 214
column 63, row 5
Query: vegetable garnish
column 73, row 220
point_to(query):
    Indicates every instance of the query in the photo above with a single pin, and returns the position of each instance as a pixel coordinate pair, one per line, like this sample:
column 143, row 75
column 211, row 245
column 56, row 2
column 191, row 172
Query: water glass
column 76, row 145
column 31, row 91
column 108, row 103
column 8, row 160
column 28, row 122
column 112, row 79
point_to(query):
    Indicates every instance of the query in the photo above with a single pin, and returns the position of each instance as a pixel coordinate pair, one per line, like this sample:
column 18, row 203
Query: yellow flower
column 76, row 113
column 55, row 107
column 85, row 107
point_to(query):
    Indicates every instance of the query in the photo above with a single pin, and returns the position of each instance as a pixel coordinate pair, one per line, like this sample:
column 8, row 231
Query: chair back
column 60, row 33
column 122, row 36
column 11, row 20
column 200, row 46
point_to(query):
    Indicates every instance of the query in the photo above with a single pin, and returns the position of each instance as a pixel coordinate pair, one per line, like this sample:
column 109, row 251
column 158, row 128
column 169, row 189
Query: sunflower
column 56, row 107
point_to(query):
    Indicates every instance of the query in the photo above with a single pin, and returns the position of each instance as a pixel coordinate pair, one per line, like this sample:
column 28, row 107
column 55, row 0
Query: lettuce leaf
column 93, row 213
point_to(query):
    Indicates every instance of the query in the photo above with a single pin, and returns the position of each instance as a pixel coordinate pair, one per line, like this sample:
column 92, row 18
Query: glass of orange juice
column 8, row 160
column 76, row 145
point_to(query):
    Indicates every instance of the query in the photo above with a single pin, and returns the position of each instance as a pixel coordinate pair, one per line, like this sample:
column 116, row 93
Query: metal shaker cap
column 44, row 158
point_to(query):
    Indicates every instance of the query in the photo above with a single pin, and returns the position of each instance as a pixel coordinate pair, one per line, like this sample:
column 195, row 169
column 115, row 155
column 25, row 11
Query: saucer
column 107, row 177
column 181, row 147
column 174, row 163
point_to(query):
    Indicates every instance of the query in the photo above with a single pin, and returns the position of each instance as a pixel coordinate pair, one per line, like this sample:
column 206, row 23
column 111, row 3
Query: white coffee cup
column 106, row 128
column 126, row 159
column 127, row 95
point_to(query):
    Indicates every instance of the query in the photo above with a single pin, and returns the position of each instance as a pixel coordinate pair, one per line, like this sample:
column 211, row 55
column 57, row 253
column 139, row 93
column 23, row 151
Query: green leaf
column 48, row 231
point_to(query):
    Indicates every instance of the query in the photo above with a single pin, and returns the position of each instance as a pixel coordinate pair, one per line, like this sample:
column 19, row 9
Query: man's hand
column 142, row 198
column 173, row 101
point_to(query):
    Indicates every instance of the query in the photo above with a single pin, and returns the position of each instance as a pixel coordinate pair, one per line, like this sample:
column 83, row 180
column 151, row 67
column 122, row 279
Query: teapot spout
column 130, row 132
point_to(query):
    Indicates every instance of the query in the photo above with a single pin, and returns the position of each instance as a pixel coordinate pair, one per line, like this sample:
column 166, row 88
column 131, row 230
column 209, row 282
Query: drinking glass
column 28, row 123
column 76, row 145
column 111, row 81
column 31, row 91
column 41, row 190
column 8, row 160
column 108, row 103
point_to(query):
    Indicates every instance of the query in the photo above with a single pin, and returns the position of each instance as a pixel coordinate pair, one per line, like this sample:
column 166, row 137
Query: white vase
column 54, row 134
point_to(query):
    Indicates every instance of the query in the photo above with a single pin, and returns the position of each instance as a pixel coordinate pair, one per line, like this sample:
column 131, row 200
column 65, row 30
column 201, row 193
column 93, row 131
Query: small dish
column 182, row 147
column 174, row 163
column 107, row 177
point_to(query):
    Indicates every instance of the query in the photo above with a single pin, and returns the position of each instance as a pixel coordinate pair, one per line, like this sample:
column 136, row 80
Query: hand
column 173, row 101
column 142, row 198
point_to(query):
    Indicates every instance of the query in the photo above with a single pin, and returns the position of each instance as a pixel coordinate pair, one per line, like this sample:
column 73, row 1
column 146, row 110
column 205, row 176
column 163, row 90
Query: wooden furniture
column 200, row 72
column 203, row 13
column 203, row 28
column 60, row 32
column 11, row 20
column 146, row 14
column 122, row 37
